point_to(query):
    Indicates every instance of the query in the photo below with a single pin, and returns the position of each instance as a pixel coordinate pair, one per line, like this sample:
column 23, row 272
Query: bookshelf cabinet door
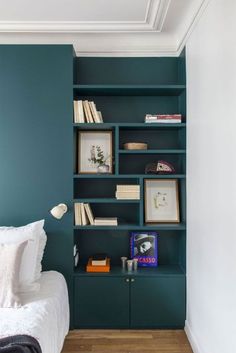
column 157, row 302
column 101, row 302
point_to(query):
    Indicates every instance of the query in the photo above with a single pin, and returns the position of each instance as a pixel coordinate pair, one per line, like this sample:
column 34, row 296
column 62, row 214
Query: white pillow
column 31, row 232
column 10, row 262
column 41, row 248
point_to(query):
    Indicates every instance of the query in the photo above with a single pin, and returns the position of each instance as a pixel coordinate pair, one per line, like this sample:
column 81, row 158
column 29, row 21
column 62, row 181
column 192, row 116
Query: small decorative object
column 123, row 262
column 130, row 265
column 135, row 264
column 143, row 247
column 160, row 167
column 161, row 201
column 135, row 146
column 94, row 152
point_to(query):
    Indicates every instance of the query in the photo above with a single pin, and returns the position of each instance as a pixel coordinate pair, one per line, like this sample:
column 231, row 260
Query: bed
column 44, row 315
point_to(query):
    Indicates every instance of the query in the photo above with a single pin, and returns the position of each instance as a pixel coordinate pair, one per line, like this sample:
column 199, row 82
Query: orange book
column 91, row 268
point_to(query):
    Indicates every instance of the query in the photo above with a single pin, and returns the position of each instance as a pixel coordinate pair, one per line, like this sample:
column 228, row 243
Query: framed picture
column 94, row 152
column 161, row 201
column 143, row 247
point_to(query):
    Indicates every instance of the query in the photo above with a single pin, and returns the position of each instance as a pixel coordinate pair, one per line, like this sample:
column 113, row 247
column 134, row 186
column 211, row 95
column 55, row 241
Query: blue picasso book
column 143, row 246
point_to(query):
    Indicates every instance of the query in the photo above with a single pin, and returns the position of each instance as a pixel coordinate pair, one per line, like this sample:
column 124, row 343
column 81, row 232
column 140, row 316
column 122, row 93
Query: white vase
column 103, row 168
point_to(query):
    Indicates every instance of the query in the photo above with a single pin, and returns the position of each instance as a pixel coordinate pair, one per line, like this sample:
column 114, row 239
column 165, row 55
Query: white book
column 78, row 221
column 89, row 113
column 80, row 111
column 105, row 221
column 100, row 116
column 83, row 215
column 102, row 262
column 128, row 188
column 165, row 121
column 127, row 196
column 76, row 120
column 86, row 113
column 94, row 112
column 89, row 213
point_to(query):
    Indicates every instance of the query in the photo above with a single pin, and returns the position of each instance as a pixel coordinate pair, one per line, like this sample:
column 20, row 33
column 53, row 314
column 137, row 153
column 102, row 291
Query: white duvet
column 44, row 314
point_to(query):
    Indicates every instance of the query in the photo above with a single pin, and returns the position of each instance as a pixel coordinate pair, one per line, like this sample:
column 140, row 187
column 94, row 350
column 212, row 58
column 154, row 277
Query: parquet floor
column 127, row 341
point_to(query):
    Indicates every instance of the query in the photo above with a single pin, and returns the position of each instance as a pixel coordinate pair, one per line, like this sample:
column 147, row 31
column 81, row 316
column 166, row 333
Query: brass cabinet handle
column 132, row 279
column 127, row 280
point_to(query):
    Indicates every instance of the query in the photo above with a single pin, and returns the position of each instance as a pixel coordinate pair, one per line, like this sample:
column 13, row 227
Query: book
column 163, row 118
column 83, row 215
column 92, row 268
column 94, row 112
column 99, row 259
column 76, row 119
column 80, row 111
column 144, row 247
column 127, row 195
column 89, row 213
column 88, row 115
column 77, row 211
column 128, row 188
column 165, row 121
column 108, row 221
column 100, row 116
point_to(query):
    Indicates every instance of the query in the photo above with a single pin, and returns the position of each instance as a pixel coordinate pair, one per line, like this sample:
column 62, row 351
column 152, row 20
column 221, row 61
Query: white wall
column 211, row 113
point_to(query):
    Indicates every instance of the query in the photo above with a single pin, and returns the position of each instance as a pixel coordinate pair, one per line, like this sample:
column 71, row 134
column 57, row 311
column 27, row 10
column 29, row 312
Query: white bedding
column 44, row 314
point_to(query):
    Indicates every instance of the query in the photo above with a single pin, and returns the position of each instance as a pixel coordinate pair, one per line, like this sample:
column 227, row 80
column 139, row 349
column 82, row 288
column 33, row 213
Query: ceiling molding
column 152, row 40
column 154, row 18
column 190, row 27
column 157, row 14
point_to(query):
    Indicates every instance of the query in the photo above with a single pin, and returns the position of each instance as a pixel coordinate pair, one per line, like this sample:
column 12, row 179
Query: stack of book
column 128, row 192
column 98, row 263
column 105, row 221
column 83, row 214
column 163, row 118
column 86, row 112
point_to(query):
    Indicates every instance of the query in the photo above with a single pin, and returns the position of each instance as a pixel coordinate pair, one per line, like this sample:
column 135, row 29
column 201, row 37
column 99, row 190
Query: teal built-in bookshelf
column 37, row 137
column 125, row 90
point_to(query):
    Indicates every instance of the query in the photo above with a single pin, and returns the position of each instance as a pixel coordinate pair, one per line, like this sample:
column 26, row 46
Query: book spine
column 76, row 120
column 83, row 215
column 80, row 111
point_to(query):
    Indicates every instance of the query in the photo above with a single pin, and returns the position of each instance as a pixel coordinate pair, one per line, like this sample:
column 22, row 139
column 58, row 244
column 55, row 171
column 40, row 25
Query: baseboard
column 192, row 339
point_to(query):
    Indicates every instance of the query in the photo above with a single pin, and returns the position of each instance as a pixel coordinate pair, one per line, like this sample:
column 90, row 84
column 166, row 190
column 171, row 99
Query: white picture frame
column 90, row 144
column 161, row 201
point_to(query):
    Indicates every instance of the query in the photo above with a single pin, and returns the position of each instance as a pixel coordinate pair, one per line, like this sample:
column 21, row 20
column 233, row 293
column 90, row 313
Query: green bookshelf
column 124, row 90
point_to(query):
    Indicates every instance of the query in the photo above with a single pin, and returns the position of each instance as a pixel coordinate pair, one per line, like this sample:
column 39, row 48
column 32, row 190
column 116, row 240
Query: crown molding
column 153, row 21
column 116, row 43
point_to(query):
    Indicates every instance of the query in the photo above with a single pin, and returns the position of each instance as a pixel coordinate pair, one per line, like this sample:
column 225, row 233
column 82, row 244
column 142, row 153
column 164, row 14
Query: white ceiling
column 102, row 27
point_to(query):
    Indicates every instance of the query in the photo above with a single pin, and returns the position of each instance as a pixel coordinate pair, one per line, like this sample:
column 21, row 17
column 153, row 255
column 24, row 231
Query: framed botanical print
column 94, row 152
column 161, row 201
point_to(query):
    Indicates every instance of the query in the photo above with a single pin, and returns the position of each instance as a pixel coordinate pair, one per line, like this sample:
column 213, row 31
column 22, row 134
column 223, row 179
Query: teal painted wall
column 36, row 143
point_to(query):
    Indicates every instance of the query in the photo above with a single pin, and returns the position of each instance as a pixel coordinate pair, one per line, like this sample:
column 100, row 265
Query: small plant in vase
column 97, row 157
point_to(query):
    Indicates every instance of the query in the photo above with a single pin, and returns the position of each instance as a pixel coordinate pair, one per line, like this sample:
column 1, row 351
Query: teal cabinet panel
column 157, row 302
column 101, row 302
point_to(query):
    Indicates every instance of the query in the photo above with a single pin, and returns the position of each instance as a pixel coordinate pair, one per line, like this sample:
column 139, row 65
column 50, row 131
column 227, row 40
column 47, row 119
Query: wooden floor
column 127, row 341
